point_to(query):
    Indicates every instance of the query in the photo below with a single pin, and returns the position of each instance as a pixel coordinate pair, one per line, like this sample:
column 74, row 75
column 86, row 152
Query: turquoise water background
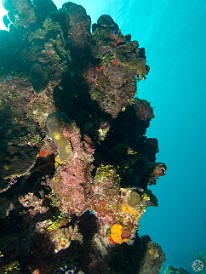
column 173, row 33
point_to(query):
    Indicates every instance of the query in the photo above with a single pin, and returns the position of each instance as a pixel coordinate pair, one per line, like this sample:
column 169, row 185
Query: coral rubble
column 75, row 162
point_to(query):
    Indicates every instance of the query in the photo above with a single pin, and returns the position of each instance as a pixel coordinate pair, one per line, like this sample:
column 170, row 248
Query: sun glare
column 2, row 13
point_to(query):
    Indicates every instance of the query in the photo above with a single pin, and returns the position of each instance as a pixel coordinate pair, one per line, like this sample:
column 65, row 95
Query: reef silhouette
column 75, row 163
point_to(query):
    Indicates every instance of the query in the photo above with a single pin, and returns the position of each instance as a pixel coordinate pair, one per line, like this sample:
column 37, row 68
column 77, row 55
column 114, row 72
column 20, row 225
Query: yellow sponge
column 55, row 123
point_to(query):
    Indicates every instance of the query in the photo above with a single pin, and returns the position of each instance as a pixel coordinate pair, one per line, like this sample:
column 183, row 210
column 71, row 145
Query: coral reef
column 75, row 162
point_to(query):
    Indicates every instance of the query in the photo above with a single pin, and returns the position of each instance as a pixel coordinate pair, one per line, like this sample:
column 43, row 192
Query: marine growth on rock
column 75, row 162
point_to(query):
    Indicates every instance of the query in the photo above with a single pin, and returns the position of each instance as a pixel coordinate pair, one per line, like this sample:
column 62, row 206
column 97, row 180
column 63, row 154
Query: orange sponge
column 116, row 234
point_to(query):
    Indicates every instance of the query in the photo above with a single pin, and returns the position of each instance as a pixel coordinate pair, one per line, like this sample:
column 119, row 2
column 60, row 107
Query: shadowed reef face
column 75, row 161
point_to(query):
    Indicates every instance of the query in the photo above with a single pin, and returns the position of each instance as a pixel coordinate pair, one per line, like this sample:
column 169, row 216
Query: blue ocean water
column 173, row 34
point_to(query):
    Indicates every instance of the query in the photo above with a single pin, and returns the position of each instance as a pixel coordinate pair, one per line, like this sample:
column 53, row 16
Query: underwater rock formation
column 75, row 162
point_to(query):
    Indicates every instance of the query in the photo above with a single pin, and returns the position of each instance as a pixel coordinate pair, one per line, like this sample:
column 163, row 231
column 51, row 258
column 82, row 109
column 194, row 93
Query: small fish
column 117, row 32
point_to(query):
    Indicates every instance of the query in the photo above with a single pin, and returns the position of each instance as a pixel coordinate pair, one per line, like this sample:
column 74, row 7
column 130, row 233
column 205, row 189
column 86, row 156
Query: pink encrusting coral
column 72, row 176
column 33, row 203
column 112, row 86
